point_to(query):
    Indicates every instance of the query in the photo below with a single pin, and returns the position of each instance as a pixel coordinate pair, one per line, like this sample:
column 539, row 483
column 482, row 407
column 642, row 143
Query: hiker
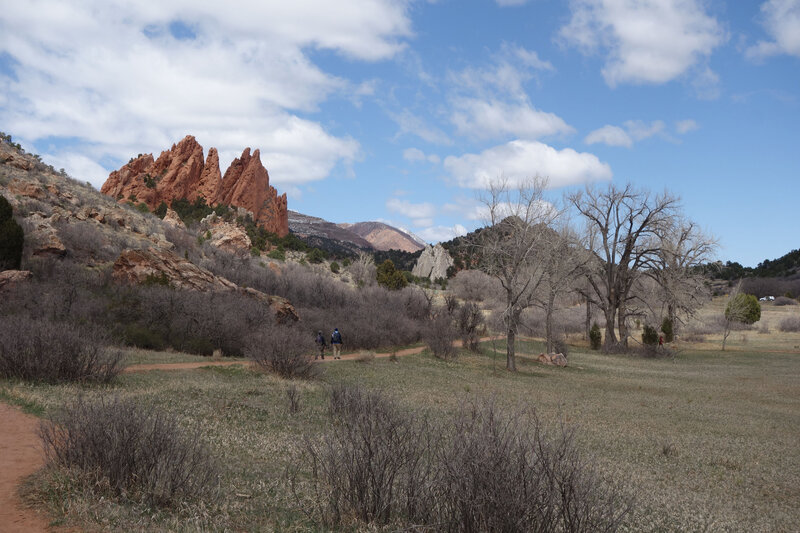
column 320, row 346
column 661, row 340
column 336, row 343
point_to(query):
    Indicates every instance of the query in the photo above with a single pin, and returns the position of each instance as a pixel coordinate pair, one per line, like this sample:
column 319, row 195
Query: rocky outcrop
column 433, row 263
column 44, row 238
column 225, row 236
column 160, row 266
column 553, row 359
column 181, row 172
column 172, row 219
column 12, row 277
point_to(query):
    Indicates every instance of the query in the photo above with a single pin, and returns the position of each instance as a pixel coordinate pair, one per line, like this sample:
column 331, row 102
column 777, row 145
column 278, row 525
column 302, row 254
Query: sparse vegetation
column 138, row 453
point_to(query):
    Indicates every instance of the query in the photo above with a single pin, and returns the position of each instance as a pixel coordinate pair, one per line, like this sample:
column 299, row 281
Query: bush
column 502, row 472
column 335, row 267
column 369, row 465
column 469, row 320
column 440, row 336
column 649, row 335
column 315, row 256
column 12, row 238
column 667, row 330
column 483, row 470
column 141, row 454
column 743, row 308
column 389, row 277
column 790, row 324
column 285, row 351
column 784, row 300
column 595, row 337
column 55, row 352
column 278, row 254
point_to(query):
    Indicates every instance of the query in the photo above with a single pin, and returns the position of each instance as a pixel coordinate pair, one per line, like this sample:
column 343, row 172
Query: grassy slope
column 707, row 440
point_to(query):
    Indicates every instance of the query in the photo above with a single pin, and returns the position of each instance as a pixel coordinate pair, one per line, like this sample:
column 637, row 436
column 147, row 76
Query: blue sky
column 402, row 111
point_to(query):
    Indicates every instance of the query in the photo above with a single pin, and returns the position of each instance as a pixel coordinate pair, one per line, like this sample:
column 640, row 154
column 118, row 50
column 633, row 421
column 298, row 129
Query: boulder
column 9, row 278
column 172, row 219
column 44, row 237
column 555, row 359
column 433, row 263
column 229, row 237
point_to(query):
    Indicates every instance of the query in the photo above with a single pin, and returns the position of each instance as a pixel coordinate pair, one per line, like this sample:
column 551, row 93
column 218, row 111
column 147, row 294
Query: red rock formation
column 246, row 184
column 181, row 173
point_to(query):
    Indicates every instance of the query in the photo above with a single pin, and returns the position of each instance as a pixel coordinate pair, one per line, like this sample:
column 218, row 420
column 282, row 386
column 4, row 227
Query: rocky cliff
column 433, row 263
column 183, row 172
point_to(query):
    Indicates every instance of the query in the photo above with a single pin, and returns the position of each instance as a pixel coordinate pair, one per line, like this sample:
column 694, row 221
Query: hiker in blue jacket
column 336, row 343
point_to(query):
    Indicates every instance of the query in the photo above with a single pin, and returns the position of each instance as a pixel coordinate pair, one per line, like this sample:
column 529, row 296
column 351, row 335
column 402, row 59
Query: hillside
column 385, row 237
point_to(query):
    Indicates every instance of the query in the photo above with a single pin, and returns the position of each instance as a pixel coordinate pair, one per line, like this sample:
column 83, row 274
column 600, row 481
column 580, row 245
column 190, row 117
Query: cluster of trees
column 12, row 238
column 632, row 255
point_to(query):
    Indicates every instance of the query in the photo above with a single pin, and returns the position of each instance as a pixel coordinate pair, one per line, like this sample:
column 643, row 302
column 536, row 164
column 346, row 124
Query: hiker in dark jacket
column 320, row 346
column 336, row 343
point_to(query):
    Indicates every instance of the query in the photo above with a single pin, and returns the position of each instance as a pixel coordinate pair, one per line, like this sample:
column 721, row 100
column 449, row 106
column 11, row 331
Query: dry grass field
column 704, row 441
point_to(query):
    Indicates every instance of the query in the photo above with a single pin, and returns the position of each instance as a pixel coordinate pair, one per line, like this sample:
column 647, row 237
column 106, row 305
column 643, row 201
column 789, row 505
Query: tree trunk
column 622, row 321
column 588, row 324
column 511, row 362
column 610, row 341
column 549, row 323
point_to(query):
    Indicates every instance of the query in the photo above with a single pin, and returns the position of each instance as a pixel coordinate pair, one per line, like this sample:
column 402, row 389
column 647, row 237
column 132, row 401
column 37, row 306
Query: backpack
column 336, row 338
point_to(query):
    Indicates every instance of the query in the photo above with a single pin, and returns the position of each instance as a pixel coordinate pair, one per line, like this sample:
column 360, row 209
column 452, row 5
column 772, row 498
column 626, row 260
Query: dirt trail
column 328, row 358
column 20, row 456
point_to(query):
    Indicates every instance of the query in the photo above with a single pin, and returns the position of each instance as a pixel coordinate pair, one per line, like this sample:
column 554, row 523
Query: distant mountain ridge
column 354, row 237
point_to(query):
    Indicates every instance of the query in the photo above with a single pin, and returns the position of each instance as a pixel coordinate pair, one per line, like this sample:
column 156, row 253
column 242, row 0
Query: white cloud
column 519, row 160
column 685, row 126
column 424, row 210
column 415, row 155
column 640, row 130
column 781, row 19
column 111, row 77
column 635, row 130
column 646, row 41
column 81, row 167
column 487, row 119
column 510, row 69
column 508, row 3
column 436, row 234
column 610, row 135
column 410, row 124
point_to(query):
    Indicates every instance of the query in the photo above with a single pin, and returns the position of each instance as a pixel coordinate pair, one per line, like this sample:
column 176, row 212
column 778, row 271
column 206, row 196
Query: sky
column 404, row 110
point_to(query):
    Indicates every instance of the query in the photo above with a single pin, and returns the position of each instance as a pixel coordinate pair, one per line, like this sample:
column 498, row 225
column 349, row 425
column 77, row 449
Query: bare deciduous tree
column 628, row 225
column 363, row 269
column 564, row 260
column 683, row 247
column 511, row 248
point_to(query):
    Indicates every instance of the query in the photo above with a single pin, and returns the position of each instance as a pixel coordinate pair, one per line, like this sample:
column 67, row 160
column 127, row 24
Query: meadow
column 703, row 441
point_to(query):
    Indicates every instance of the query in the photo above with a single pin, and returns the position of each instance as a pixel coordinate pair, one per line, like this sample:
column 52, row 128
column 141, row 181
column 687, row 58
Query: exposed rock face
column 229, row 237
column 246, row 184
column 173, row 219
column 181, row 172
column 555, row 359
column 136, row 266
column 44, row 237
column 12, row 277
column 433, row 263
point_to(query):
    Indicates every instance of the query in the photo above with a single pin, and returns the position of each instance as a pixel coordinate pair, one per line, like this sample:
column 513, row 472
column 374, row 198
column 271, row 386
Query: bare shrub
column 783, row 300
column 475, row 286
column 370, row 465
column 790, row 324
column 485, row 470
column 55, row 352
column 763, row 329
column 140, row 453
column 694, row 337
column 293, row 395
column 285, row 351
column 502, row 472
column 469, row 319
column 365, row 356
column 440, row 336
